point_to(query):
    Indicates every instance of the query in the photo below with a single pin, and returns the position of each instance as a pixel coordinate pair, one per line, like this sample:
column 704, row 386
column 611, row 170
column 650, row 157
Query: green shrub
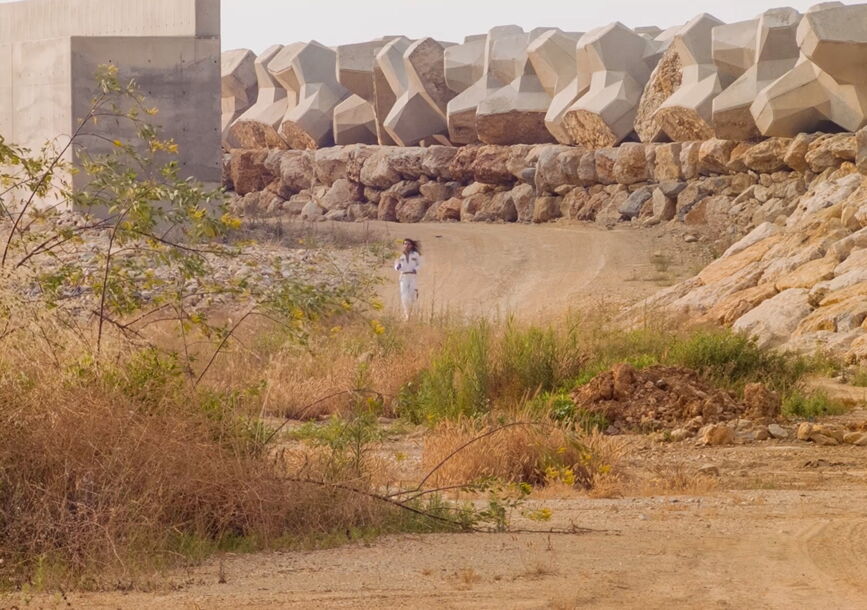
column 859, row 379
column 812, row 404
column 527, row 360
column 455, row 383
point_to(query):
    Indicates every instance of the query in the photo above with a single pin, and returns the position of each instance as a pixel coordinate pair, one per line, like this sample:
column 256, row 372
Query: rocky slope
column 798, row 282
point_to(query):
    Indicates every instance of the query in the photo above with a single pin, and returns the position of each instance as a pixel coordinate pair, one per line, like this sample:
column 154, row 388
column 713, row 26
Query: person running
column 408, row 265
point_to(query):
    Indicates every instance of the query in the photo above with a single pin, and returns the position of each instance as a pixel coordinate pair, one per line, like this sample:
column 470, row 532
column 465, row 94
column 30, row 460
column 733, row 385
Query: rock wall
column 780, row 74
column 731, row 186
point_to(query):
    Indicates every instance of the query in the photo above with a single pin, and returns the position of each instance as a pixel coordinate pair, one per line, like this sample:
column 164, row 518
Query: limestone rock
column 714, row 155
column 631, row 164
column 248, row 172
column 717, row 434
column 830, row 150
column 437, row 161
column 774, row 320
column 767, row 156
column 491, row 165
column 253, row 134
column 297, row 170
column 761, row 402
column 778, row 432
column 546, row 209
column 861, row 152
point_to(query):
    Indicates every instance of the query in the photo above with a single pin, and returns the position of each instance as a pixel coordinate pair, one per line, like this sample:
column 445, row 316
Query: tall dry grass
column 109, row 471
column 520, row 451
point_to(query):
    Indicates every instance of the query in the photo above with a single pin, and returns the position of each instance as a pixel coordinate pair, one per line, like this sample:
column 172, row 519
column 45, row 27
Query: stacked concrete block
column 238, row 86
column 464, row 63
column 419, row 112
column 273, row 99
column 356, row 66
column 553, row 57
column 514, row 113
column 498, row 68
column 828, row 85
column 779, row 74
column 664, row 80
column 687, row 114
column 620, row 62
column 389, row 81
column 508, row 102
column 308, row 71
column 776, row 52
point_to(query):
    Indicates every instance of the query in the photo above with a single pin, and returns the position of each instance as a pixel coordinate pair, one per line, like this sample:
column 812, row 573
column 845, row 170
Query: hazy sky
column 257, row 24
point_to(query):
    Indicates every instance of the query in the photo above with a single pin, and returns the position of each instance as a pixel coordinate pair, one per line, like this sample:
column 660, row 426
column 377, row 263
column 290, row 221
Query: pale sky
column 257, row 24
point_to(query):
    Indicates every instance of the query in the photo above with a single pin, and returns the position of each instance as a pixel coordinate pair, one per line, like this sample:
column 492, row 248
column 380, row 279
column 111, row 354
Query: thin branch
column 369, row 494
column 45, row 175
column 222, row 345
column 319, row 401
column 474, row 440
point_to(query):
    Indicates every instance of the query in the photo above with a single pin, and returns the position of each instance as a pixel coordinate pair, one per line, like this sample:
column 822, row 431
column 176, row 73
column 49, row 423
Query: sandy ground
column 783, row 526
column 535, row 272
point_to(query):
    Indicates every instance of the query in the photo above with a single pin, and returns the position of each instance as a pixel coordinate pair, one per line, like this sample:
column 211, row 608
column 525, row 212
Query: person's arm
column 397, row 264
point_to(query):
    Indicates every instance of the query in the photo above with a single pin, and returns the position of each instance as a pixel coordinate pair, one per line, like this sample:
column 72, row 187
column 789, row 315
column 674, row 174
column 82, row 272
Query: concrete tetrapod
column 686, row 115
column 238, row 88
column 620, row 62
column 828, row 84
column 309, row 69
column 776, row 52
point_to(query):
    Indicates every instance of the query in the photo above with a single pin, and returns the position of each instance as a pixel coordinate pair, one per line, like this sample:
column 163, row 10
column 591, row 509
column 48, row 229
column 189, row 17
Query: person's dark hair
column 414, row 244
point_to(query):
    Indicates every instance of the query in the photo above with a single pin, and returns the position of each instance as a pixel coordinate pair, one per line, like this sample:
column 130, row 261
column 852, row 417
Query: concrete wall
column 178, row 75
column 37, row 19
column 50, row 50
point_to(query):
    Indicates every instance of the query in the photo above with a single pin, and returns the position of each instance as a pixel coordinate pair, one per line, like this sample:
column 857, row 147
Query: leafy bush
column 732, row 360
column 812, row 404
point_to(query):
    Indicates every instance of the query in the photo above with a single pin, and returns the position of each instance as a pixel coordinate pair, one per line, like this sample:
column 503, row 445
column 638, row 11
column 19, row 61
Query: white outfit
column 408, row 267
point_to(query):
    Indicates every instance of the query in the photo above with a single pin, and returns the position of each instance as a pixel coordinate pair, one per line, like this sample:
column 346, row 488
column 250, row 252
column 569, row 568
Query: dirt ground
column 537, row 271
column 782, row 526
column 779, row 524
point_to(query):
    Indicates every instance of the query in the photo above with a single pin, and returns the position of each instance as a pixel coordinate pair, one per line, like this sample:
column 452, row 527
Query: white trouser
column 408, row 293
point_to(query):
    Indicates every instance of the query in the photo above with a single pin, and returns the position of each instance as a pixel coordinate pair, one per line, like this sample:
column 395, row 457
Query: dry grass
column 112, row 471
column 351, row 357
column 536, row 453
column 674, row 479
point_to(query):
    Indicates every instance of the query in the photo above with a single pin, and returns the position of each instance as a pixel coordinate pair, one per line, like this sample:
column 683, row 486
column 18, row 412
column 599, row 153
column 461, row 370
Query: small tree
column 134, row 243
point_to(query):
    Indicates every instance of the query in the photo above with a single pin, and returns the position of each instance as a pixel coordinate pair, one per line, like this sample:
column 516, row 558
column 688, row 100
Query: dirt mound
column 664, row 397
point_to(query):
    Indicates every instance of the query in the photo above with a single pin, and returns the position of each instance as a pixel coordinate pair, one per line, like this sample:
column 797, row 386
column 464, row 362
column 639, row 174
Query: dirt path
column 534, row 271
column 779, row 532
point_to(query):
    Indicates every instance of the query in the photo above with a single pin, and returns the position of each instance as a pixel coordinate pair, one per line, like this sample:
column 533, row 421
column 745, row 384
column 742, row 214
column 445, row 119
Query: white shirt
column 408, row 264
